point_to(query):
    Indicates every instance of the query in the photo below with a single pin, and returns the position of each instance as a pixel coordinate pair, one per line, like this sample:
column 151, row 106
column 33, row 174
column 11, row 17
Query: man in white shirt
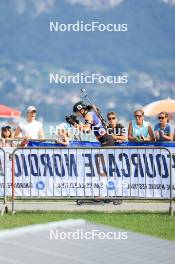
column 31, row 129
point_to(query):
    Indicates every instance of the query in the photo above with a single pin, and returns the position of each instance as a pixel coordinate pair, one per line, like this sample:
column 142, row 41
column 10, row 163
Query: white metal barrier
column 127, row 173
column 3, row 181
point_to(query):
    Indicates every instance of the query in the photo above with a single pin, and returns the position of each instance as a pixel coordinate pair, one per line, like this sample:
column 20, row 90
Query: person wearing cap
column 31, row 129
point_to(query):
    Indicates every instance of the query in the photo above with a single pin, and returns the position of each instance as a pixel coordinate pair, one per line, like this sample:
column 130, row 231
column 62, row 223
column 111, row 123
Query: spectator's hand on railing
column 142, row 138
column 157, row 135
column 25, row 141
column 26, row 138
column 119, row 141
column 162, row 133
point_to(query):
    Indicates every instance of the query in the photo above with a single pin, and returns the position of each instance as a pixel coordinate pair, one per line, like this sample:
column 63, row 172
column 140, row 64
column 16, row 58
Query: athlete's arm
column 87, row 126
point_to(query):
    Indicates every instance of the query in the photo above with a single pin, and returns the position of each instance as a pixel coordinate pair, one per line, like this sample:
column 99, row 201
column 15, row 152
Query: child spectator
column 62, row 136
column 6, row 134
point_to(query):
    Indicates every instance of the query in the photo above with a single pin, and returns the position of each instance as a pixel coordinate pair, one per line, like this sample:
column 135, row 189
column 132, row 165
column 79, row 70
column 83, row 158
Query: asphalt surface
column 57, row 244
column 72, row 206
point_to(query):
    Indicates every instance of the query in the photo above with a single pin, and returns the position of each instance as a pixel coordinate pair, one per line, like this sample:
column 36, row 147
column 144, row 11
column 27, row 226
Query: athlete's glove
column 72, row 120
column 69, row 120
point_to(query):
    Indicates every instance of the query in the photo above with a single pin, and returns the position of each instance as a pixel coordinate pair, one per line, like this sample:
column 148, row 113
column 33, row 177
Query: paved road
column 37, row 245
column 71, row 206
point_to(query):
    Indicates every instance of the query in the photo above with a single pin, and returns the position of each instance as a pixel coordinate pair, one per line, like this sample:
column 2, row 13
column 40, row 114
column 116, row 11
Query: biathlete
column 92, row 123
column 95, row 124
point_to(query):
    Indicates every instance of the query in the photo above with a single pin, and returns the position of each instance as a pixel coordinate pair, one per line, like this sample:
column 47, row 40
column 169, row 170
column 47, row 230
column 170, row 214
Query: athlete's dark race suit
column 99, row 130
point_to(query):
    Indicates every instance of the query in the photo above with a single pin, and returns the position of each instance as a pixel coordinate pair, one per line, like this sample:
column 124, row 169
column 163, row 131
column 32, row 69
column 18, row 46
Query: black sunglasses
column 161, row 117
column 111, row 118
column 138, row 115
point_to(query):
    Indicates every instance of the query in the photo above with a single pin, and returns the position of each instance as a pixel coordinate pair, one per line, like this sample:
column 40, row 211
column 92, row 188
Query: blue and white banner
column 91, row 172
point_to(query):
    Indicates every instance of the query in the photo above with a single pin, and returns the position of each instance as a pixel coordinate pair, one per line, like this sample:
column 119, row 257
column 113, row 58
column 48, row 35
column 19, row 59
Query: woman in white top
column 140, row 130
column 31, row 129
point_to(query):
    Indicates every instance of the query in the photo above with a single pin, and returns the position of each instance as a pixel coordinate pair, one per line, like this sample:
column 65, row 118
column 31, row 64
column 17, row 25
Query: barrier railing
column 3, row 180
column 126, row 173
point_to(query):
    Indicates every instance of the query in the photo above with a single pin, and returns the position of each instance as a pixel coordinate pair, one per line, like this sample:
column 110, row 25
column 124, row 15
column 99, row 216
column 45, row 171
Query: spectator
column 164, row 130
column 63, row 136
column 116, row 129
column 31, row 129
column 139, row 129
column 6, row 135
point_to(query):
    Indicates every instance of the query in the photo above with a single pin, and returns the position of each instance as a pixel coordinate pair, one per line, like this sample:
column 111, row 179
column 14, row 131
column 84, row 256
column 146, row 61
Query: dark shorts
column 106, row 141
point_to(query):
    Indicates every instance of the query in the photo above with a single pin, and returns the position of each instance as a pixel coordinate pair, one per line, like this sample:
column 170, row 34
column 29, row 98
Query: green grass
column 156, row 224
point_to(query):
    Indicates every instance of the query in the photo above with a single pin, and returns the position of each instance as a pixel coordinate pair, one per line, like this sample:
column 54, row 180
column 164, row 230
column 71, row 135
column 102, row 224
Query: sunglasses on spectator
column 138, row 116
column 161, row 117
column 111, row 118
